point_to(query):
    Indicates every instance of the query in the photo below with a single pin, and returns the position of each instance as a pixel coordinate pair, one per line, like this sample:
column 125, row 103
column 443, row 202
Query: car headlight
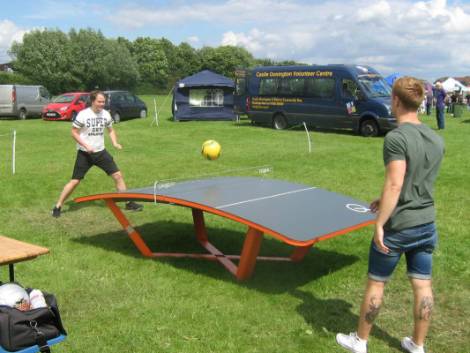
column 63, row 109
column 389, row 109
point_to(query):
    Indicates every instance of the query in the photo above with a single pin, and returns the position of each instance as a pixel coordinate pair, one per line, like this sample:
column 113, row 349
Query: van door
column 346, row 113
column 320, row 107
column 43, row 98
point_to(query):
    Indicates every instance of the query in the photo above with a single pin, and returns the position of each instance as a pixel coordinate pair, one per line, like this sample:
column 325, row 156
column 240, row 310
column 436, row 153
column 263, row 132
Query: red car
column 66, row 106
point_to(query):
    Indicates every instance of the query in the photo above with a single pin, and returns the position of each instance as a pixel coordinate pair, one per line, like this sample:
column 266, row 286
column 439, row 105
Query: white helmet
column 14, row 296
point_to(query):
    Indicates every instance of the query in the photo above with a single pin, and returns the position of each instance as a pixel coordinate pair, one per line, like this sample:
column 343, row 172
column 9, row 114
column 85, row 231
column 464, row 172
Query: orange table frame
column 251, row 246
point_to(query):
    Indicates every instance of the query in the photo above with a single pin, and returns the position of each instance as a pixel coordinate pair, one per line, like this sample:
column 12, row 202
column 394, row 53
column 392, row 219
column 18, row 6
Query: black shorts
column 87, row 160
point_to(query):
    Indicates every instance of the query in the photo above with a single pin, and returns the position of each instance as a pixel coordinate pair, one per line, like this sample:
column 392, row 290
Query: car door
column 133, row 106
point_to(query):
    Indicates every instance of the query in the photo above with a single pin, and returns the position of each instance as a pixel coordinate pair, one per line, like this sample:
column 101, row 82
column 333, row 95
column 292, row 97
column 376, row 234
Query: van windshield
column 65, row 98
column 375, row 85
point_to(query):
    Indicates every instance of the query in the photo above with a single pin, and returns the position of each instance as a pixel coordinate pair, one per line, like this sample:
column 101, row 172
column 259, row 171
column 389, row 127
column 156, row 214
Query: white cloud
column 193, row 40
column 427, row 37
column 381, row 9
column 9, row 32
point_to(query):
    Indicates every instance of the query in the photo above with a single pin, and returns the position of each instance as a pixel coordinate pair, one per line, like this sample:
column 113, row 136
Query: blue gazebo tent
column 390, row 79
column 203, row 96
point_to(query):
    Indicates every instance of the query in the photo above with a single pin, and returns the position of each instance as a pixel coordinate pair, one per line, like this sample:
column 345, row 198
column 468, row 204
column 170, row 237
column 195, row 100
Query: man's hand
column 89, row 149
column 374, row 206
column 379, row 239
column 117, row 146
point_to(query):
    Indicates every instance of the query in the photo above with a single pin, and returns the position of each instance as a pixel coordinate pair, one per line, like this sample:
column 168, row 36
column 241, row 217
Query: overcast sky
column 427, row 39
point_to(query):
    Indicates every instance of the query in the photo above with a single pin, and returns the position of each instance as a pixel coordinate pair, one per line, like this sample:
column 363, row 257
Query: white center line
column 265, row 197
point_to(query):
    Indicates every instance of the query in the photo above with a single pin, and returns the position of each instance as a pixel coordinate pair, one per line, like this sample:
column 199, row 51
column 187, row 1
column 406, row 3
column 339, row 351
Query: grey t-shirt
column 423, row 150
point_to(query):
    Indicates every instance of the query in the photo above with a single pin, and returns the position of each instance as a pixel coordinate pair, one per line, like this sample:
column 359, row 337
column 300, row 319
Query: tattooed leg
column 423, row 307
column 373, row 310
column 370, row 307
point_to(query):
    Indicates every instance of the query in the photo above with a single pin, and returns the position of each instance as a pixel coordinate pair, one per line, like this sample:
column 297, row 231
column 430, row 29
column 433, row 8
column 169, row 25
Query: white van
column 22, row 100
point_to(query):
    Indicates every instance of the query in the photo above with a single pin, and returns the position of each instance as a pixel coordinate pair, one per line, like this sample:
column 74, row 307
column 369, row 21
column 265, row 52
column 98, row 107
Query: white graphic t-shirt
column 92, row 127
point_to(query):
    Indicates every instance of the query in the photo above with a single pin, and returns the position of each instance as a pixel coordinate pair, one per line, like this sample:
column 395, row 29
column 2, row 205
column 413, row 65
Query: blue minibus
column 327, row 97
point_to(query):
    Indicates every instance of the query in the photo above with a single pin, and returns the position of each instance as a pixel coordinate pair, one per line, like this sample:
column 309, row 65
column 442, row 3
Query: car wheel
column 23, row 114
column 116, row 117
column 279, row 122
column 143, row 114
column 74, row 116
column 369, row 128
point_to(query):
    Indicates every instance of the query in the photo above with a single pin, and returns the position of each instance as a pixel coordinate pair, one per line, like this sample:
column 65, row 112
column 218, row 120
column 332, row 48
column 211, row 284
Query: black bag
column 22, row 329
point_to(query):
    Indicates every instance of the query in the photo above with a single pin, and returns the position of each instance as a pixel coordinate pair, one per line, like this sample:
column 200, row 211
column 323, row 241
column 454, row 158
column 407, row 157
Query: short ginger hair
column 410, row 91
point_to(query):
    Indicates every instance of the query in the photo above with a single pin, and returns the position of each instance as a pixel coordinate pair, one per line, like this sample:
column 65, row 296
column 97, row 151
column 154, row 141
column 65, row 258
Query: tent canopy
column 451, row 85
column 205, row 78
column 203, row 96
column 391, row 78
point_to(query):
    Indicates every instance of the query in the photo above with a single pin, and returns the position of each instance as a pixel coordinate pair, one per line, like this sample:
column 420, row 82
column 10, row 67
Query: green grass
column 112, row 299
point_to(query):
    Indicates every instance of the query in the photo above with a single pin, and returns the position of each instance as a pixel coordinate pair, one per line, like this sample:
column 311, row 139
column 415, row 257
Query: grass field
column 114, row 300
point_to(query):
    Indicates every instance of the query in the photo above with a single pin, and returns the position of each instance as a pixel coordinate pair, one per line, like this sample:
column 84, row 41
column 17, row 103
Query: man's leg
column 119, row 181
column 423, row 306
column 370, row 307
column 121, row 186
column 68, row 189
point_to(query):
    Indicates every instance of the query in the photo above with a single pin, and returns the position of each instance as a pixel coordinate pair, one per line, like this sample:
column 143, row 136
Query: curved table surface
column 297, row 214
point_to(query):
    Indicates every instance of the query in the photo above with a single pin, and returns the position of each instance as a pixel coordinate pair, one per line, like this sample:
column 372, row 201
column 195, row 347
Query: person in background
column 440, row 95
column 429, row 98
column 405, row 218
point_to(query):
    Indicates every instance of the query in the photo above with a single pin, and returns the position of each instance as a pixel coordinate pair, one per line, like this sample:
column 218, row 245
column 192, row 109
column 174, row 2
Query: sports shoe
column 408, row 345
column 56, row 212
column 133, row 206
column 352, row 342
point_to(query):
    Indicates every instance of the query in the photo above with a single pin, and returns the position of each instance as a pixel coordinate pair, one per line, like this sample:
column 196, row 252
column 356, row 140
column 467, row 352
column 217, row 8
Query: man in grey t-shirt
column 405, row 220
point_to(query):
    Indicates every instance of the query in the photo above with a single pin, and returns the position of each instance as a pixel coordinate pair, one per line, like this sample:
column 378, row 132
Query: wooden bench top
column 12, row 250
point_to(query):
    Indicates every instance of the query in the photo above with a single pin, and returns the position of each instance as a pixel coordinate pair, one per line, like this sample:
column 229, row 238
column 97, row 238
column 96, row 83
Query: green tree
column 44, row 57
column 151, row 61
column 225, row 59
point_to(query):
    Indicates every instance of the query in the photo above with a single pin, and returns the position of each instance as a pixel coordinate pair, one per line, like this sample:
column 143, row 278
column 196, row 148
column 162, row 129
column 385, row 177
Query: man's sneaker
column 408, row 345
column 352, row 342
column 56, row 212
column 133, row 206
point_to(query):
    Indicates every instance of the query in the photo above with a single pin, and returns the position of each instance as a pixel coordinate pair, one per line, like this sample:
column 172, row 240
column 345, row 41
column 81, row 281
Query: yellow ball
column 211, row 149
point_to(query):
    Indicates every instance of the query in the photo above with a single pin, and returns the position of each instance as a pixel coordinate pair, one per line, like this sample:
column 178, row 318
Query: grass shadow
column 269, row 276
column 73, row 206
column 334, row 315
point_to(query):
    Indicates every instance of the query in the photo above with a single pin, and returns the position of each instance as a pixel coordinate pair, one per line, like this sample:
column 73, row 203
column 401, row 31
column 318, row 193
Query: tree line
column 85, row 59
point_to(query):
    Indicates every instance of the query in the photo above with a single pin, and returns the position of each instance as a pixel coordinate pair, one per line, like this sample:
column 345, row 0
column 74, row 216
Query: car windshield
column 65, row 98
column 375, row 85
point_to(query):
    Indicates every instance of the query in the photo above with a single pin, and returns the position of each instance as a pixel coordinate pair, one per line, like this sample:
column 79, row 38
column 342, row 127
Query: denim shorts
column 417, row 243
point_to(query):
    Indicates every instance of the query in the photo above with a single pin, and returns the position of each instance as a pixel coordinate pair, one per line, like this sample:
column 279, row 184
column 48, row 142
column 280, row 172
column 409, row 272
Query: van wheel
column 116, row 117
column 279, row 122
column 23, row 114
column 369, row 128
column 143, row 114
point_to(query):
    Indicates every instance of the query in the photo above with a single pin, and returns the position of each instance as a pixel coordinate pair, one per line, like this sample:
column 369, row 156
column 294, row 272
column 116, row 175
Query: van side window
column 291, row 87
column 348, row 89
column 320, row 88
column 44, row 92
column 268, row 86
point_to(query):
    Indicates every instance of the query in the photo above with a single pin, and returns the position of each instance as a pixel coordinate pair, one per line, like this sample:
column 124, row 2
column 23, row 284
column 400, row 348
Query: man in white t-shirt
column 88, row 130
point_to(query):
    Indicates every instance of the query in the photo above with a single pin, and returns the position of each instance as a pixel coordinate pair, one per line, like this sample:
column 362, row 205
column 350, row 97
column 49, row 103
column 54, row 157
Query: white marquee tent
column 451, row 85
